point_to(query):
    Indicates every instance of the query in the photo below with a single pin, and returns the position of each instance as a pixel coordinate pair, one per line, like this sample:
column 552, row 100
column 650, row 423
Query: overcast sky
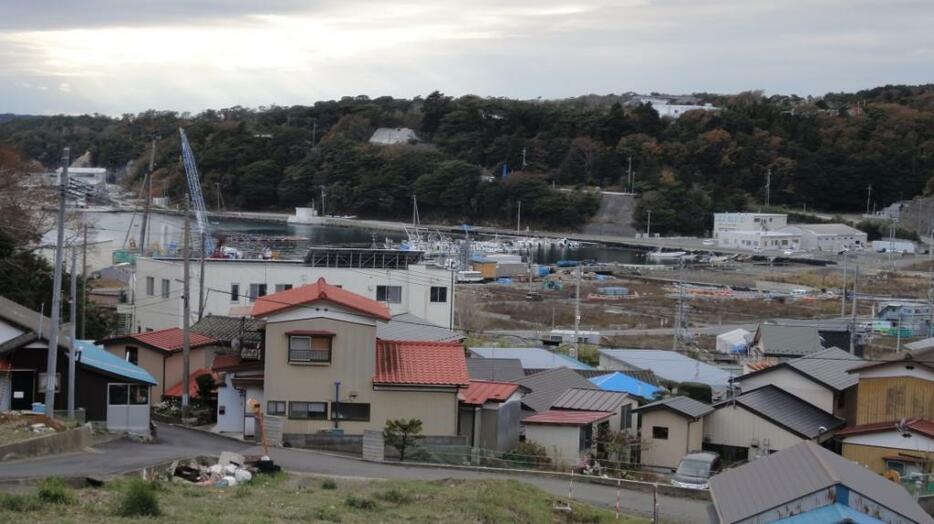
column 115, row 56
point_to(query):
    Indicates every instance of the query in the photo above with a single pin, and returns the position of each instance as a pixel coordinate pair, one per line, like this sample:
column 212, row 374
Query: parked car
column 695, row 470
column 708, row 242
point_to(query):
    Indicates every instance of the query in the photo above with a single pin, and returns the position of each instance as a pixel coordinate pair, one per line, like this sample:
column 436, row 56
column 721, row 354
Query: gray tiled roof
column 795, row 472
column 532, row 358
column 31, row 322
column 224, row 329
column 829, row 367
column 547, row 386
column 684, row 405
column 788, row 340
column 502, row 369
column 591, row 400
column 786, row 410
column 406, row 326
column 669, row 365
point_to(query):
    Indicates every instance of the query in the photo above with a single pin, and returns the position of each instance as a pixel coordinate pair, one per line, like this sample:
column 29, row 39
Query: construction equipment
column 197, row 197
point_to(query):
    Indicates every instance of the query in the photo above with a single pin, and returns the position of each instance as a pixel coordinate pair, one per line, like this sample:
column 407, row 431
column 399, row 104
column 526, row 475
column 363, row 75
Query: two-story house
column 894, row 417
column 325, row 368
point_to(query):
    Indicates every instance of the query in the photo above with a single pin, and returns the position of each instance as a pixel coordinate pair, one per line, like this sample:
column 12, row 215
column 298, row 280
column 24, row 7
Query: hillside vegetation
column 822, row 153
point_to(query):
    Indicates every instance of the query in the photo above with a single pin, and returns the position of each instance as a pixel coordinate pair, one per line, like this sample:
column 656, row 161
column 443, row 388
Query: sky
column 124, row 56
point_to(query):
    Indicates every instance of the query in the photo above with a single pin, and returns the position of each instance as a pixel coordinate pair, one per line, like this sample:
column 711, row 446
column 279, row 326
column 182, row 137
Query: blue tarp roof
column 98, row 358
column 832, row 513
column 532, row 358
column 618, row 381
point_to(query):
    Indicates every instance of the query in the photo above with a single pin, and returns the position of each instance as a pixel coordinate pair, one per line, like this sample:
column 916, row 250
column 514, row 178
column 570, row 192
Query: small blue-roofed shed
column 110, row 388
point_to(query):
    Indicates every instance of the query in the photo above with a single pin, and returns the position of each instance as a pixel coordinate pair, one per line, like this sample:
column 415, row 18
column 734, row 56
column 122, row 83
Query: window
column 309, row 349
column 165, row 287
column 275, row 407
column 625, row 415
column 439, row 294
column 256, row 291
column 283, row 287
column 150, row 286
column 43, row 381
column 309, row 410
column 139, row 395
column 235, row 292
column 391, row 294
column 132, row 355
column 659, row 433
column 350, row 411
column 119, row 394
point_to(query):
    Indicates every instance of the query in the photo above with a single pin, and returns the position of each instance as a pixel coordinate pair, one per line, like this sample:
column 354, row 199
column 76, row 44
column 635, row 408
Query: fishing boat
column 666, row 255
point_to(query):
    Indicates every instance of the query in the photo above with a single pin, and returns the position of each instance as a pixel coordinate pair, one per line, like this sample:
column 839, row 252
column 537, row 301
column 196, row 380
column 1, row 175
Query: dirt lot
column 15, row 427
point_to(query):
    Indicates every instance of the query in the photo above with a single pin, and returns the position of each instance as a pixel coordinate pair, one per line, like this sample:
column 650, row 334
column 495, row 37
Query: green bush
column 394, row 496
column 329, row 484
column 528, row 454
column 54, row 491
column 139, row 500
column 696, row 390
column 19, row 503
column 353, row 501
column 326, row 514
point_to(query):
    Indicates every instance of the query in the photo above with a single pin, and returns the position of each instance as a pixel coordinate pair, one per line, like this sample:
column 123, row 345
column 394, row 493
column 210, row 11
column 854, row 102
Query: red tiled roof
column 319, row 291
column 759, row 365
column 176, row 390
column 567, row 418
column 481, row 391
column 426, row 363
column 169, row 340
column 925, row 427
column 225, row 361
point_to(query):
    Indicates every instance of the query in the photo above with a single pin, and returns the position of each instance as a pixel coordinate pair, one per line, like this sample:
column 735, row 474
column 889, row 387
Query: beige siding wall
column 436, row 410
column 886, row 399
column 198, row 358
column 799, row 386
column 562, row 443
column 666, row 453
column 734, row 426
column 872, row 456
column 149, row 360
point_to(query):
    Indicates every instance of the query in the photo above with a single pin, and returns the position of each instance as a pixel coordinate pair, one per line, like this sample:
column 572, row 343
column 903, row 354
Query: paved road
column 122, row 455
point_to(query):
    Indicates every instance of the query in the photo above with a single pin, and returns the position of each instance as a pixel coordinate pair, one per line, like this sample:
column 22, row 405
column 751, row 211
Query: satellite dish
column 235, row 344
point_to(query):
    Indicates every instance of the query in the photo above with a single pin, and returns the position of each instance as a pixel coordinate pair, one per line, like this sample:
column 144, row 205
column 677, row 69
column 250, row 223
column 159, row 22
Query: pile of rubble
column 231, row 469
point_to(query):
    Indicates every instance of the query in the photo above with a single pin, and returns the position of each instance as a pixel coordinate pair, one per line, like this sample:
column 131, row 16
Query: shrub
column 138, row 500
column 353, row 501
column 394, row 496
column 329, row 484
column 528, row 454
column 54, row 491
column 697, row 391
column 402, row 434
column 326, row 514
column 19, row 503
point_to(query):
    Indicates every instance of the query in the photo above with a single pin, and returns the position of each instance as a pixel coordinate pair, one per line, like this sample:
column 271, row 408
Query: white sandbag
column 231, row 481
column 243, row 475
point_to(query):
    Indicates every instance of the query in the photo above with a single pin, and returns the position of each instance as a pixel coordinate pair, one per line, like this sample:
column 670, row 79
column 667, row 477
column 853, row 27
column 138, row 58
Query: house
column 776, row 342
column 231, row 286
column 502, row 369
column 387, row 136
column 894, row 414
column 733, row 342
column 160, row 353
column 489, row 414
column 667, row 365
column 822, row 379
column 545, row 387
column 762, row 421
column 531, row 358
column 807, row 483
column 828, row 237
column 566, row 435
column 239, row 380
column 621, row 405
column 333, row 375
column 107, row 389
column 624, row 383
column 671, row 428
column 906, row 319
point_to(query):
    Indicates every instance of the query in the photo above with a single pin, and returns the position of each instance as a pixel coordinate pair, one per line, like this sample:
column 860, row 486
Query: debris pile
column 231, row 469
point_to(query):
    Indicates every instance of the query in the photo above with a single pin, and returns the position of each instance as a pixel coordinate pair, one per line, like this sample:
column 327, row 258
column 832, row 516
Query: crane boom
column 197, row 198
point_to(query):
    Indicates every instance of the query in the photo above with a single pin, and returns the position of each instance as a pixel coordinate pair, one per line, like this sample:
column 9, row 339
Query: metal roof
column 682, row 405
column 778, row 339
column 833, row 513
column 920, row 345
column 671, row 365
column 98, row 358
column 547, row 386
column 31, row 322
column 828, row 367
column 829, row 229
column 623, row 382
column 224, row 329
column 508, row 369
column 805, row 468
column 567, row 418
column 532, row 358
column 479, row 392
column 591, row 400
column 406, row 326
column 786, row 410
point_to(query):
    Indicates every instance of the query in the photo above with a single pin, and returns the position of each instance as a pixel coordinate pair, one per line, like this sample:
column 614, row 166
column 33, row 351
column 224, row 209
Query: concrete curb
column 49, row 444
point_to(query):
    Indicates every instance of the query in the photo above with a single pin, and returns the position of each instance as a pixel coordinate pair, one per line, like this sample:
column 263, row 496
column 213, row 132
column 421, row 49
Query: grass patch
column 54, row 491
column 15, row 503
column 328, row 514
column 394, row 496
column 364, row 503
column 328, row 484
column 139, row 500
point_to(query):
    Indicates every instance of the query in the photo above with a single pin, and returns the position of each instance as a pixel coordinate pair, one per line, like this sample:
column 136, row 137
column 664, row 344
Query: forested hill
column 821, row 152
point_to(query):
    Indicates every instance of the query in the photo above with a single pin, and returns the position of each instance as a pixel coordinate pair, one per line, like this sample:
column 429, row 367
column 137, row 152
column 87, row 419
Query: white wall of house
column 895, row 440
column 898, row 369
column 155, row 311
column 735, row 426
column 231, row 400
column 681, row 439
column 561, row 442
column 794, row 383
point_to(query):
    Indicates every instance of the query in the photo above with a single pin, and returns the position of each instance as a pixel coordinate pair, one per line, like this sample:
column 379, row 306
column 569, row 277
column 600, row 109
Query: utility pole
column 201, row 277
column 220, row 198
column 768, row 187
column 186, row 309
column 84, row 284
column 148, row 202
column 72, row 316
column 52, row 355
column 629, row 176
column 868, row 197
column 415, row 218
column 853, row 321
column 314, row 132
column 843, row 298
column 524, row 163
column 519, row 217
column 322, row 201
column 577, row 313
column 679, row 309
column 648, row 224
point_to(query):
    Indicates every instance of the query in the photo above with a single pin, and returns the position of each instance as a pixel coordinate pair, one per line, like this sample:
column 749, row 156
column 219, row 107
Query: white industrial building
column 665, row 108
column 92, row 176
column 828, row 237
column 758, row 239
column 725, row 222
column 770, row 231
column 231, row 286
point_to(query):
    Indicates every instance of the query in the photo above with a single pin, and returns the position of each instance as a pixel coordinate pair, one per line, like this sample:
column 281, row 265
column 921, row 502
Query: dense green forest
column 822, row 153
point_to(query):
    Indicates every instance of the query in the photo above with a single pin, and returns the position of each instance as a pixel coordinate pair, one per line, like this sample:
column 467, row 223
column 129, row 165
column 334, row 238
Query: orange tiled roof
column 169, row 340
column 319, row 291
column 176, row 390
column 481, row 391
column 421, row 363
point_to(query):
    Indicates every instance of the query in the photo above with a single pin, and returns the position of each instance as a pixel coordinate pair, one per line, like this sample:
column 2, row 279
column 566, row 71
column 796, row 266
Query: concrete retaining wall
column 50, row 444
column 325, row 441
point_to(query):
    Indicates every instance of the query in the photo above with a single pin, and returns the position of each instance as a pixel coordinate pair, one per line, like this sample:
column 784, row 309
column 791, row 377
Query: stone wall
column 50, row 444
